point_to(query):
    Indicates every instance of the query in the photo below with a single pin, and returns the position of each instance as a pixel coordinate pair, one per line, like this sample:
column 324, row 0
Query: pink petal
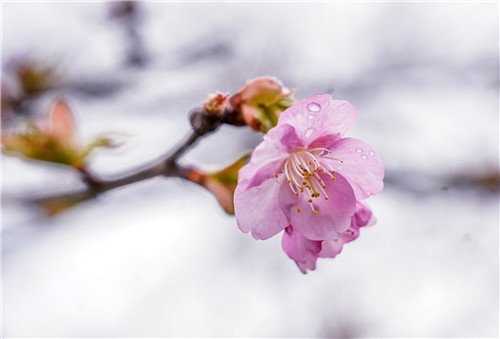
column 361, row 166
column 319, row 116
column 257, row 209
column 308, row 265
column 362, row 217
column 334, row 215
column 302, row 250
column 331, row 248
column 350, row 234
column 62, row 123
column 268, row 156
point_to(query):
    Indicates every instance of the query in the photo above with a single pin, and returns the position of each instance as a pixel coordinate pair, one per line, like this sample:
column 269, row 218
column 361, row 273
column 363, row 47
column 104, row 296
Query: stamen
column 302, row 170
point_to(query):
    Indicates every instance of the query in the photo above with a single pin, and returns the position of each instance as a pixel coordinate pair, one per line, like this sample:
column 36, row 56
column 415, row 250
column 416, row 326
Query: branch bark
column 165, row 165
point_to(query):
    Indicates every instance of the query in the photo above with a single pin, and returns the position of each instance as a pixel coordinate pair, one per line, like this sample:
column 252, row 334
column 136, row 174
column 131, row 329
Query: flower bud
column 221, row 184
column 260, row 102
column 54, row 140
column 215, row 104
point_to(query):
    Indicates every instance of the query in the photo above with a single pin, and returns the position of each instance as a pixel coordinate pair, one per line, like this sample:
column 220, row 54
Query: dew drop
column 265, row 137
column 309, row 132
column 371, row 153
column 359, row 150
column 364, row 157
column 310, row 117
column 313, row 107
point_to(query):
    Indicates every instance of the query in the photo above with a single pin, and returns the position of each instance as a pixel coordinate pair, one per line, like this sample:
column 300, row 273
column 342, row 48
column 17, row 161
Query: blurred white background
column 160, row 258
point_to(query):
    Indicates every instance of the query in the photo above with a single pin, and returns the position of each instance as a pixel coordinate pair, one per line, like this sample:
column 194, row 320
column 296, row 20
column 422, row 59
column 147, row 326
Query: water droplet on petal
column 313, row 107
column 364, row 157
column 372, row 153
column 359, row 150
column 309, row 132
column 265, row 137
column 310, row 117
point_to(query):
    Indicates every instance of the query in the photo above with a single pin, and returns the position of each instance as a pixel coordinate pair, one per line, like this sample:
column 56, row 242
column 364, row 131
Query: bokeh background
column 160, row 258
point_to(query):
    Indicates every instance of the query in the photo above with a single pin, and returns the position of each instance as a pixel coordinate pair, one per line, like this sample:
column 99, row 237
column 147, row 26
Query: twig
column 165, row 165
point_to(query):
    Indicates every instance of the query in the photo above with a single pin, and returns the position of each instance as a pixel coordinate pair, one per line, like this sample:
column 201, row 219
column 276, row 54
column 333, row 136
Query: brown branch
column 165, row 165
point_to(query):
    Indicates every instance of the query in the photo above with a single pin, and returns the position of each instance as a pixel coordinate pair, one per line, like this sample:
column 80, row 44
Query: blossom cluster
column 309, row 182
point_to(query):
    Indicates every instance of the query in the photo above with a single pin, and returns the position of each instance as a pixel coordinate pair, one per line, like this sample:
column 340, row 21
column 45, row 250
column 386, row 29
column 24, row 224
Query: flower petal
column 62, row 124
column 257, row 209
column 319, row 116
column 334, row 215
column 363, row 217
column 268, row 156
column 302, row 250
column 361, row 166
column 330, row 248
column 308, row 265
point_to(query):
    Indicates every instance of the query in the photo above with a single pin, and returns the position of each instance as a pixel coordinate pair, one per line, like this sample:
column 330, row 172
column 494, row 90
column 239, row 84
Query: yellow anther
column 316, row 212
column 333, row 172
column 326, row 198
column 323, row 172
column 275, row 175
column 289, row 181
column 296, row 193
column 324, row 186
column 298, row 210
column 310, row 200
column 333, row 178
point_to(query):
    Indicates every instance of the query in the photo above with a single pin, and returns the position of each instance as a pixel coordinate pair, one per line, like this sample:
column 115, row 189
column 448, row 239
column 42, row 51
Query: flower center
column 302, row 169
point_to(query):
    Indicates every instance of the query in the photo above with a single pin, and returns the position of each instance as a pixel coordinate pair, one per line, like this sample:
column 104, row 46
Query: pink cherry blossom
column 305, row 178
